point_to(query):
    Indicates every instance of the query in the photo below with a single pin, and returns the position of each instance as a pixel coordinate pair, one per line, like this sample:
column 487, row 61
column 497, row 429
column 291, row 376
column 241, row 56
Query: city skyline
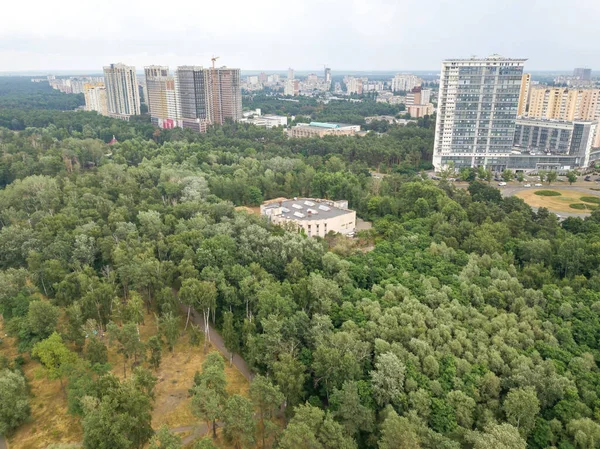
column 380, row 36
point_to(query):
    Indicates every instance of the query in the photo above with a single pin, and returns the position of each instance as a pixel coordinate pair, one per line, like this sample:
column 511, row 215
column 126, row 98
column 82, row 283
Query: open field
column 51, row 423
column 555, row 203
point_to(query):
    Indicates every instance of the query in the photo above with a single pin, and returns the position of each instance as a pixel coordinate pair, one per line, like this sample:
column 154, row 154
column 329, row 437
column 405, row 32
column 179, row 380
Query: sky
column 38, row 35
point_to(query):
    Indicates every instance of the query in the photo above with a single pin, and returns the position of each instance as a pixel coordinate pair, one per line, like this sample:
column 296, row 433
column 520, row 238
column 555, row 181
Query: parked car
column 538, row 185
column 527, row 185
column 501, row 184
column 587, row 178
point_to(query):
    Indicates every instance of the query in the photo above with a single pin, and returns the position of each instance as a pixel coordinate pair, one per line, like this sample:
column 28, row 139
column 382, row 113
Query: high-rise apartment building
column 562, row 103
column 404, row 82
column 418, row 95
column 524, row 94
column 208, row 96
column 162, row 95
column 292, row 87
column 95, row 98
column 477, row 108
column 582, row 73
column 354, row 86
column 122, row 91
column 225, row 94
column 327, row 75
column 290, row 74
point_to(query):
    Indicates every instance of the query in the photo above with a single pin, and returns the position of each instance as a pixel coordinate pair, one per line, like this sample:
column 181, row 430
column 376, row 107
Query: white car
column 527, row 185
column 501, row 184
column 539, row 185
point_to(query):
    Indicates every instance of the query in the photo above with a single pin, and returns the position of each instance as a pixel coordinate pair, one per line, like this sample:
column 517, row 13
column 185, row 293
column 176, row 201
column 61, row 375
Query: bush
column 590, row 199
column 581, row 206
column 547, row 193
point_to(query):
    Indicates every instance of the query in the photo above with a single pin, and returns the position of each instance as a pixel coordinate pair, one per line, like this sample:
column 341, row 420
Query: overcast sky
column 304, row 34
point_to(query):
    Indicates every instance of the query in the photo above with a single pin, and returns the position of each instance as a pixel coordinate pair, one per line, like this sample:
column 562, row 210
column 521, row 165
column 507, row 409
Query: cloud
column 305, row 34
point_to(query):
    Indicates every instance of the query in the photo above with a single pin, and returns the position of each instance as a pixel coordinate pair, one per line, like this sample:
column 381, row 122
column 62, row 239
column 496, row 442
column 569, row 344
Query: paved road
column 512, row 190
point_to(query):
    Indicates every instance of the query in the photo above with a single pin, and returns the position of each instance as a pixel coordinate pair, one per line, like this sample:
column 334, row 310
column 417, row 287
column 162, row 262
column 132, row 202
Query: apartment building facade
column 122, row 92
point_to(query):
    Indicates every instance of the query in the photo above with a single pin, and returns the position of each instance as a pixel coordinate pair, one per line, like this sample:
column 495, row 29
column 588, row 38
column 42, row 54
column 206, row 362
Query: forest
column 471, row 321
column 334, row 111
column 19, row 92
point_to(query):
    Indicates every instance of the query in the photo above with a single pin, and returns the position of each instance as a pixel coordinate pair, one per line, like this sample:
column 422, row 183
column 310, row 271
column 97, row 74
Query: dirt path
column 197, row 432
column 217, row 341
column 3, row 443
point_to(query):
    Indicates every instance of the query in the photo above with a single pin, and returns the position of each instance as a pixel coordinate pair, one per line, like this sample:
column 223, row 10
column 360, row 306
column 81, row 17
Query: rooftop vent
column 285, row 210
column 296, row 206
column 298, row 214
column 325, row 208
column 309, row 203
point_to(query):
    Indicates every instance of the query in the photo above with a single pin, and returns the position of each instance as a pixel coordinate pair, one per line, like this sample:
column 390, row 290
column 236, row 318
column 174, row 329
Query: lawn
column 559, row 203
column 50, row 422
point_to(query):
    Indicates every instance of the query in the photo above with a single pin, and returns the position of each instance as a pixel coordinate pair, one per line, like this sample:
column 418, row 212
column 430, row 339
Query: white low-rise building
column 317, row 217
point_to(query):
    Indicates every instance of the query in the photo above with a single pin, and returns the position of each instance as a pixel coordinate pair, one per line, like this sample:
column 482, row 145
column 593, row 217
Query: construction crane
column 213, row 59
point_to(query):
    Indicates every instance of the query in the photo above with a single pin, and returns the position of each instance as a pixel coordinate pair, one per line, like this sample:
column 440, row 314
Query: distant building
column 319, row 129
column 541, row 144
column 327, row 75
column 208, row 96
column 524, row 94
column 405, row 82
column 418, row 95
column 419, row 110
column 292, row 87
column 312, row 78
column 162, row 95
column 267, row 121
column 354, row 86
column 290, row 74
column 262, row 77
column 583, row 74
column 95, row 98
column 122, row 91
column 316, row 217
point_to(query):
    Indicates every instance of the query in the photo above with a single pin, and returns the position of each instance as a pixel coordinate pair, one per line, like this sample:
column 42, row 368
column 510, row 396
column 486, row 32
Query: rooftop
column 306, row 208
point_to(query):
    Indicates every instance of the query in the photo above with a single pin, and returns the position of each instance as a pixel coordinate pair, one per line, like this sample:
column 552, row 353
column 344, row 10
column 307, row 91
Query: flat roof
column 297, row 209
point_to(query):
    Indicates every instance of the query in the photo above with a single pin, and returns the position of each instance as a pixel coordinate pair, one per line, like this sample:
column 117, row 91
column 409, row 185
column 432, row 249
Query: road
column 217, row 341
column 512, row 190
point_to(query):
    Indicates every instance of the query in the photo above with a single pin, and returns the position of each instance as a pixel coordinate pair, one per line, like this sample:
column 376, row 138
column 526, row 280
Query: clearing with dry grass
column 50, row 421
column 554, row 203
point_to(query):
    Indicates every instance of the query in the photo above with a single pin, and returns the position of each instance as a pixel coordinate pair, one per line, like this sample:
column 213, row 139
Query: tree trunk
column 188, row 318
column 124, row 368
column 214, row 428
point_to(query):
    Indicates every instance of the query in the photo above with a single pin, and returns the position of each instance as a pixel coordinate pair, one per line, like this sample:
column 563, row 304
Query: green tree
column 42, row 318
column 54, row 356
column 397, row 432
column 96, row 351
column 164, row 439
column 130, row 344
column 119, row 419
column 168, row 325
column 230, row 336
column 387, row 378
column 507, row 175
column 312, row 428
column 571, row 177
column 521, row 406
column 289, row 374
column 498, row 436
column 155, row 347
column 349, row 410
column 585, row 432
column 14, row 401
column 238, row 423
column 551, row 177
column 267, row 398
column 205, row 443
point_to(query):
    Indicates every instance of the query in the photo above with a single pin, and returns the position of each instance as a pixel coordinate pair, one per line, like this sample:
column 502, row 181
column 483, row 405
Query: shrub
column 582, row 206
column 547, row 193
column 590, row 199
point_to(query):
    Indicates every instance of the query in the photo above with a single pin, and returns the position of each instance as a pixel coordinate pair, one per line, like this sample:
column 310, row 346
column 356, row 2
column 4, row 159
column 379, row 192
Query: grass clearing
column 51, row 423
column 582, row 206
column 556, row 203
